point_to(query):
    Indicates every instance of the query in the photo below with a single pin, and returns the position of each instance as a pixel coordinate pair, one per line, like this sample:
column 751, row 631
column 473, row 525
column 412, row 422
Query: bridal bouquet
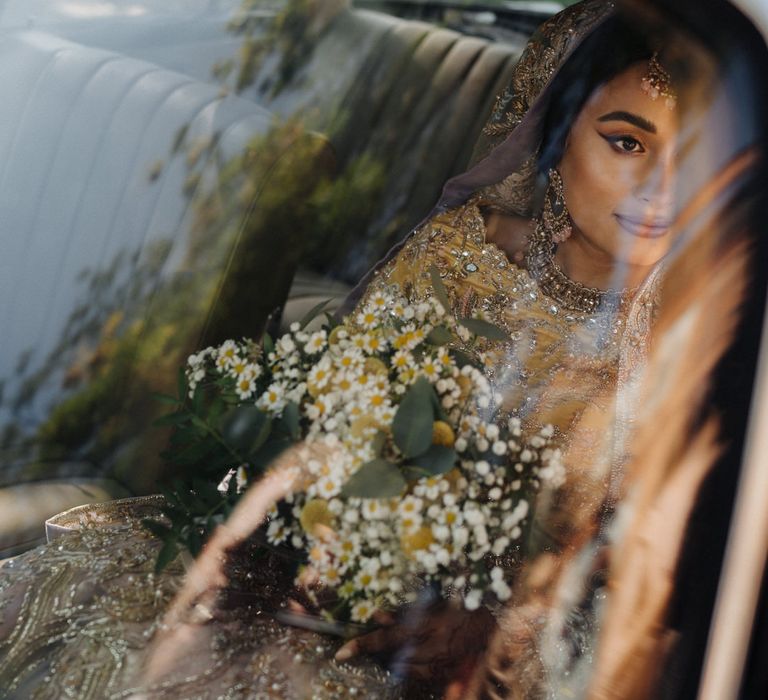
column 418, row 479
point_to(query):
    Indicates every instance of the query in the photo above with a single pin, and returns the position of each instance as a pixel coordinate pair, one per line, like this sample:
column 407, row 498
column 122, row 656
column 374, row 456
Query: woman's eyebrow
column 636, row 119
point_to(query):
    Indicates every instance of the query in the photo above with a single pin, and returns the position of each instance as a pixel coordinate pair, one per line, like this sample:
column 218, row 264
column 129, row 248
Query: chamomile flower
column 368, row 319
column 316, row 343
column 245, row 386
column 362, row 611
column 277, row 532
column 374, row 343
column 273, row 399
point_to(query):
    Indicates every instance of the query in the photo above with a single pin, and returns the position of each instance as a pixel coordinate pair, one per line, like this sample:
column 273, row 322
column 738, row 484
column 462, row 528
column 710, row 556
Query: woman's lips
column 642, row 228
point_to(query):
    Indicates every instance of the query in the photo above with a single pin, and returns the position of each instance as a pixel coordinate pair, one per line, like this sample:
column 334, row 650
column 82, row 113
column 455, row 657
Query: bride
column 562, row 234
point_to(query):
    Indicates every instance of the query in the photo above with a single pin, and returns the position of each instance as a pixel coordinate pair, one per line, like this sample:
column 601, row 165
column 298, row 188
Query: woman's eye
column 626, row 144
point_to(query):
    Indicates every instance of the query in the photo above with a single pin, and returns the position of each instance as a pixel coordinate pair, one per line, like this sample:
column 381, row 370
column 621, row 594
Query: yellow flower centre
column 442, row 434
column 417, row 541
column 313, row 514
column 373, row 365
column 334, row 336
column 360, row 426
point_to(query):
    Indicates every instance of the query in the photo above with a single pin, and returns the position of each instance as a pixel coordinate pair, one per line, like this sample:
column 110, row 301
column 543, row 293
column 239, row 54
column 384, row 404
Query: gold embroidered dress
column 77, row 615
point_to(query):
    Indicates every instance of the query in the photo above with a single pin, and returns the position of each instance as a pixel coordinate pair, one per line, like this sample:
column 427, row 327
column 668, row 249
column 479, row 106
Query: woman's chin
column 642, row 252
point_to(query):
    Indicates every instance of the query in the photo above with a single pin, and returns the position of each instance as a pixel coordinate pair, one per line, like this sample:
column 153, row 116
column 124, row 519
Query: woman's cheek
column 592, row 191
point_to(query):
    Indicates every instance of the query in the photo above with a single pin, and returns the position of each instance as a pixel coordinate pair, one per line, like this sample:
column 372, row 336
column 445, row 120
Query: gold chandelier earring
column 555, row 216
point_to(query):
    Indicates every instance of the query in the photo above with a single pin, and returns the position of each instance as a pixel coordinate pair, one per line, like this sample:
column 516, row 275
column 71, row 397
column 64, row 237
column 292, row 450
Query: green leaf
column 182, row 384
column 260, row 440
column 164, row 398
column 167, row 554
column 177, row 418
column 439, row 335
column 191, row 501
column 272, row 449
column 484, row 329
column 208, row 492
column 201, row 425
column 378, row 442
column 438, row 409
column 412, row 473
column 198, row 397
column 412, row 425
column 313, row 313
column 267, row 343
column 242, row 427
column 194, row 542
column 440, row 291
column 464, row 358
column 157, row 528
column 437, row 460
column 290, row 420
column 376, row 479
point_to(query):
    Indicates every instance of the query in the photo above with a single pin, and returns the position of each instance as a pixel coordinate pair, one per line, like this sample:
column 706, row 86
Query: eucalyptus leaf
column 270, row 451
column 412, row 473
column 313, row 313
column 242, row 426
column 484, row 329
column 260, row 440
column 378, row 441
column 464, row 358
column 412, row 425
column 375, row 479
column 437, row 407
column 437, row 460
column 440, row 335
column 290, row 420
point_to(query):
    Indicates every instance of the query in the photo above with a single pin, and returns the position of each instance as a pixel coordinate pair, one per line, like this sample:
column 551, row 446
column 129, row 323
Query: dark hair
column 619, row 42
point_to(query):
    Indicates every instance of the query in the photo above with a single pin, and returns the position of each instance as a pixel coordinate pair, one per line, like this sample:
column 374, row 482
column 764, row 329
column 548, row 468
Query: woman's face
column 618, row 172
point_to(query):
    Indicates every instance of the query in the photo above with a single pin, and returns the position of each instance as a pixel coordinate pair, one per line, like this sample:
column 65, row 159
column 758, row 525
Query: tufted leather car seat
column 410, row 96
column 113, row 261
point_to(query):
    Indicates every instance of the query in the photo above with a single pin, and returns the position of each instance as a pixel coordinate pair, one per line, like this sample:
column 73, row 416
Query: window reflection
column 170, row 188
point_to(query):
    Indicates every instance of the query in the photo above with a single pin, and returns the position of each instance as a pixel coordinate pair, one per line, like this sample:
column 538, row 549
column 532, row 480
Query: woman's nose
column 657, row 188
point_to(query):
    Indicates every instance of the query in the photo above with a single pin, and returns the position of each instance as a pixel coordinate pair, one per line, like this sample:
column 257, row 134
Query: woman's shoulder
column 509, row 232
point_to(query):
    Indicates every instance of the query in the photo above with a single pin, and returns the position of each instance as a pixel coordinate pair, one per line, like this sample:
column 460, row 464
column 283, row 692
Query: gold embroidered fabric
column 540, row 61
column 77, row 616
